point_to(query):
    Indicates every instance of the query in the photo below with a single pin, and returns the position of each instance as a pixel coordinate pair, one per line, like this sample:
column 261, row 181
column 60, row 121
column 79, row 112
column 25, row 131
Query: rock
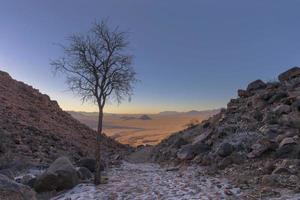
column 224, row 163
column 259, row 148
column 243, row 93
column 202, row 137
column 228, row 192
column 189, row 151
column 282, row 109
column 269, row 167
column 225, row 150
column 7, row 172
column 282, row 170
column 269, row 193
column 287, row 141
column 293, row 180
column 295, row 120
column 10, row 190
column 59, row 176
column 269, row 180
column 289, row 74
column 90, row 163
column 237, row 158
column 27, row 180
column 288, row 151
column 256, row 85
column 296, row 105
column 200, row 148
column 186, row 152
column 277, row 97
column 179, row 143
column 84, row 173
column 292, row 120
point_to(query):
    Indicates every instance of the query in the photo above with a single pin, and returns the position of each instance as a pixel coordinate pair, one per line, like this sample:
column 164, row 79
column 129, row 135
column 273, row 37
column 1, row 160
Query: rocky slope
column 33, row 128
column 255, row 140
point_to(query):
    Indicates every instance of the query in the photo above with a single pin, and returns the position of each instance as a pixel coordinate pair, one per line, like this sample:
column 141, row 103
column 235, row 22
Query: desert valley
column 149, row 100
column 143, row 129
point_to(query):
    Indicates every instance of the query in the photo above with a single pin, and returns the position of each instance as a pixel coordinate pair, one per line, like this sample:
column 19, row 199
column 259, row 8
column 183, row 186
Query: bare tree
column 98, row 68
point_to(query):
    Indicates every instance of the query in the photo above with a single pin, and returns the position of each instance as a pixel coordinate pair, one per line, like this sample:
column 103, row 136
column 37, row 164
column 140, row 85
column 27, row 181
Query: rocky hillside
column 255, row 139
column 35, row 129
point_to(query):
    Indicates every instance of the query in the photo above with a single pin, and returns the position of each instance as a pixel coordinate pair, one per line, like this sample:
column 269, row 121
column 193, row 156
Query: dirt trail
column 138, row 179
column 147, row 181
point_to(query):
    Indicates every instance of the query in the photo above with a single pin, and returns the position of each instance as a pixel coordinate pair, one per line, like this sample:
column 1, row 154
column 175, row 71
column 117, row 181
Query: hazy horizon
column 188, row 55
column 153, row 113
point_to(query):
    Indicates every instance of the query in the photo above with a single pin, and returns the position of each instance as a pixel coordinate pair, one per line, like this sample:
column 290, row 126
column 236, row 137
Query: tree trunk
column 97, row 153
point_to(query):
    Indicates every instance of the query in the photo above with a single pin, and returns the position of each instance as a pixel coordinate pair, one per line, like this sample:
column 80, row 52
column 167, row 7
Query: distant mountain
column 169, row 113
column 192, row 112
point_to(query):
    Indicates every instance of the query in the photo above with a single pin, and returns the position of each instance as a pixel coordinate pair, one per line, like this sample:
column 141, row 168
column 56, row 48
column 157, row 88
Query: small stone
column 228, row 192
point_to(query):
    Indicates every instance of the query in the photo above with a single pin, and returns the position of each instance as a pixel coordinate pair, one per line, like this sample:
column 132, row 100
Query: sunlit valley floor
column 142, row 129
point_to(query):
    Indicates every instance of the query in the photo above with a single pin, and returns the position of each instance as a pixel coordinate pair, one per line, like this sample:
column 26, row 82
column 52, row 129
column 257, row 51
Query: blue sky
column 190, row 54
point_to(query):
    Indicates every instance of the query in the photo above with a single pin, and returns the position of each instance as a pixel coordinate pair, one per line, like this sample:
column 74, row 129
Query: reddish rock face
column 36, row 128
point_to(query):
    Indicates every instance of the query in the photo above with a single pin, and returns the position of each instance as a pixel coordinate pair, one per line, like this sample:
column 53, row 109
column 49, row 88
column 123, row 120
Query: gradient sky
column 190, row 54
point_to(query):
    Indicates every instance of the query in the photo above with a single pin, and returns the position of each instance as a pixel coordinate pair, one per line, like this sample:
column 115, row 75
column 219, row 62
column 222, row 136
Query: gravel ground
column 149, row 181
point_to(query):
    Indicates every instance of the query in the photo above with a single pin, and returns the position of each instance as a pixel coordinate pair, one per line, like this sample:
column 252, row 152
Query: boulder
column 289, row 74
column 296, row 106
column 256, row 85
column 225, row 150
column 11, row 190
column 259, row 148
column 178, row 143
column 189, row 151
column 243, row 93
column 27, row 180
column 291, row 120
column 270, row 180
column 59, row 176
column 224, row 163
column 282, row 170
column 186, row 152
column 282, row 109
column 287, row 141
column 277, row 97
column 288, row 151
column 84, row 173
column 202, row 137
column 90, row 163
column 7, row 172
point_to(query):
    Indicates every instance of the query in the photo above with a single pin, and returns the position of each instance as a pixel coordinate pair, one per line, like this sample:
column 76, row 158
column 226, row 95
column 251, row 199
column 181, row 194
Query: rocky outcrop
column 290, row 74
column 262, row 124
column 33, row 127
column 10, row 190
column 59, row 176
